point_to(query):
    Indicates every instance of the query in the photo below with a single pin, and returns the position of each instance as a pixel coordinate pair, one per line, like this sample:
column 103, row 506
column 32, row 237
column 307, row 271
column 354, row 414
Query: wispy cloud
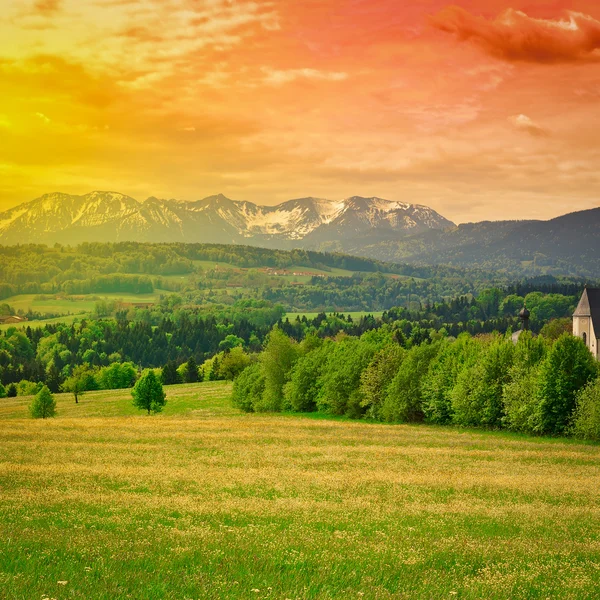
column 526, row 124
column 280, row 77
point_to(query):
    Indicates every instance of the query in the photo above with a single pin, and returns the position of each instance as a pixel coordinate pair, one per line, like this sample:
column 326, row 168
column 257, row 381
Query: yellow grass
column 204, row 502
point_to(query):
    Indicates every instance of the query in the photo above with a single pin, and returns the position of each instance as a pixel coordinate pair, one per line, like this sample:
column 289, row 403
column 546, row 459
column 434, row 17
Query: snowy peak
column 111, row 216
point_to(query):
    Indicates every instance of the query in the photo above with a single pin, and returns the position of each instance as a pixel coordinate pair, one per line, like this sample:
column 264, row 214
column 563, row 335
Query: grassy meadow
column 201, row 502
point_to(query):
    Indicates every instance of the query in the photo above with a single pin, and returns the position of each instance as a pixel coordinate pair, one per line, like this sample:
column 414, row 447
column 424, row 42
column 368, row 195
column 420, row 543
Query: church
column 586, row 320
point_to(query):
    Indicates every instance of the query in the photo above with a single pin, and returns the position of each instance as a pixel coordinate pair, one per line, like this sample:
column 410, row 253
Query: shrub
column 2, row 391
column 586, row 420
column 43, row 404
column 11, row 390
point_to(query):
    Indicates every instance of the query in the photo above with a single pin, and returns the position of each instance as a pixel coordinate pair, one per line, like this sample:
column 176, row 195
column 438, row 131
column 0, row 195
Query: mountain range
column 372, row 227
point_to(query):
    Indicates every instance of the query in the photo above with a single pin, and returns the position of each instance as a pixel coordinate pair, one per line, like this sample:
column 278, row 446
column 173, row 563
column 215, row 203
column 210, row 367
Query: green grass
column 104, row 502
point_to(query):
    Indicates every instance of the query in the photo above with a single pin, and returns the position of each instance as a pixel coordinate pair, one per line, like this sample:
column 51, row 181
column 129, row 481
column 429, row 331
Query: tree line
column 538, row 385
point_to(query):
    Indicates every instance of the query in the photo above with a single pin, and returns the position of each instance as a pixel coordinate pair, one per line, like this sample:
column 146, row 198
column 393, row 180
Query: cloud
column 524, row 123
column 515, row 37
column 280, row 77
column 43, row 118
column 47, row 7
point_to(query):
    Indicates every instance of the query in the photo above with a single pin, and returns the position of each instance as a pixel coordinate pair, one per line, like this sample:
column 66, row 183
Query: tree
column 276, row 361
column 169, row 374
column 404, row 398
column 442, row 376
column 302, row 389
column 376, row 378
column 11, row 390
column 568, row 367
column 248, row 388
column 191, row 371
column 81, row 380
column 586, row 420
column 233, row 363
column 43, row 404
column 148, row 393
column 117, row 376
column 477, row 396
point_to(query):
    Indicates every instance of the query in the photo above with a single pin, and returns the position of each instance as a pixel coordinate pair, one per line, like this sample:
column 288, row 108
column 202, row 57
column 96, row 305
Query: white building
column 586, row 320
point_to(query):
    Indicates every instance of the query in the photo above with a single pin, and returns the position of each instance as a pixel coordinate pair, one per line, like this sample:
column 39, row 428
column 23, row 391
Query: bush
column 568, row 368
column 2, row 391
column 586, row 420
column 43, row 404
column 248, row 388
column 148, row 393
column 11, row 390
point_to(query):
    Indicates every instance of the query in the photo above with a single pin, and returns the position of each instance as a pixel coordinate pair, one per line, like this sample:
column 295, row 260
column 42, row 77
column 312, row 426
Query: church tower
column 586, row 320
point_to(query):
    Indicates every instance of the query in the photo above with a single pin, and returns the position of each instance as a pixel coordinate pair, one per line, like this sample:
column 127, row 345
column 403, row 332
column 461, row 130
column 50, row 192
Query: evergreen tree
column 148, row 393
column 169, row 374
column 54, row 378
column 191, row 371
column 43, row 404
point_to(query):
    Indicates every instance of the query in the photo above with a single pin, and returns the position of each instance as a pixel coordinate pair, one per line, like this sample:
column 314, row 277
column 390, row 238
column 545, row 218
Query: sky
column 486, row 109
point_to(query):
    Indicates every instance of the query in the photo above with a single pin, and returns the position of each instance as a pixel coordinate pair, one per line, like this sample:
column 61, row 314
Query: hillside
column 567, row 245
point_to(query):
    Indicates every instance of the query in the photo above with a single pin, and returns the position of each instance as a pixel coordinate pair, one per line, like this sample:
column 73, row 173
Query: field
column 201, row 501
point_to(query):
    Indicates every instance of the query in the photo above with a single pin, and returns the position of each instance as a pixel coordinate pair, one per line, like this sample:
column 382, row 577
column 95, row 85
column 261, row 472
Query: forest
column 208, row 275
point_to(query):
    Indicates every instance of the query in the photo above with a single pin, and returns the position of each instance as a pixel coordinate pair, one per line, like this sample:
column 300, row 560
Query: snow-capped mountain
column 110, row 216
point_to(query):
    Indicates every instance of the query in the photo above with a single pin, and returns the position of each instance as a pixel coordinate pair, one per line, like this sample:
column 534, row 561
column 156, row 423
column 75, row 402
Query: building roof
column 589, row 306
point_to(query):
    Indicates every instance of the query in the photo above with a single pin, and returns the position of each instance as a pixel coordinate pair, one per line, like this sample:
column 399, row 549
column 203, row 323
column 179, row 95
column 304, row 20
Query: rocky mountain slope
column 110, row 216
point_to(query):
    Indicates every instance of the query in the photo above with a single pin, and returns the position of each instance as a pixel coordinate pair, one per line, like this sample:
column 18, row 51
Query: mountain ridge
column 375, row 228
column 60, row 217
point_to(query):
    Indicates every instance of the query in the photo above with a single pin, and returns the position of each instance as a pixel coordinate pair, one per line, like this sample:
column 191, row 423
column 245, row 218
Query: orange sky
column 480, row 109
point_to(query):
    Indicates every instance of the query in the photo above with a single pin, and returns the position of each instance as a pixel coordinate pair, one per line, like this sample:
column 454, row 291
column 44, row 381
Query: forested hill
column 567, row 245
